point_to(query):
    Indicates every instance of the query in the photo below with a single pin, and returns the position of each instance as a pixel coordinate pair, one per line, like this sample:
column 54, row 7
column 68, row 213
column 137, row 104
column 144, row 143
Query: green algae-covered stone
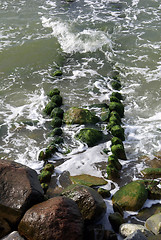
column 49, row 107
column 114, row 99
column 56, row 122
column 80, row 116
column 113, row 161
column 118, row 131
column 49, row 167
column 116, row 85
column 57, row 73
column 151, row 172
column 53, row 92
column 118, row 95
column 88, row 180
column 58, row 140
column 114, row 113
column 105, row 114
column 116, row 140
column 118, row 107
column 44, row 187
column 90, row 136
column 56, row 132
column 45, row 176
column 112, row 172
column 131, row 197
column 57, row 112
column 113, row 118
column 104, row 192
column 118, row 151
column 110, row 125
column 57, row 99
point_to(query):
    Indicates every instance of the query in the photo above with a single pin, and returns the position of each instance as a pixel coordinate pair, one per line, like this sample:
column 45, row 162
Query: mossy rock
column 105, row 114
column 80, row 116
column 44, row 187
column 116, row 140
column 113, row 118
column 57, row 99
column 118, row 131
column 151, row 172
column 116, row 85
column 118, row 151
column 49, row 107
column 98, row 105
column 104, row 192
column 58, row 140
column 118, row 107
column 56, row 132
column 112, row 172
column 51, row 149
column 49, row 167
column 90, row 136
column 118, row 95
column 114, row 99
column 116, row 114
column 57, row 112
column 111, row 125
column 53, row 92
column 45, row 176
column 45, row 154
column 88, row 180
column 56, row 122
column 113, row 161
column 57, row 73
column 131, row 197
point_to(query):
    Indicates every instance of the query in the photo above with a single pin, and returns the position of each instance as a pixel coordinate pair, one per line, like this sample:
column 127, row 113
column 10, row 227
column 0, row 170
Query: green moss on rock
column 114, row 113
column 116, row 140
column 112, row 172
column 80, row 116
column 49, row 107
column 151, row 172
column 118, row 95
column 105, row 114
column 56, row 122
column 45, row 177
column 49, row 167
column 104, row 192
column 118, row 150
column 53, row 92
column 113, row 161
column 114, row 99
column 118, row 107
column 57, row 99
column 56, row 132
column 131, row 197
column 118, row 131
column 116, row 85
column 113, row 118
column 90, row 136
column 57, row 73
column 57, row 112
column 88, row 180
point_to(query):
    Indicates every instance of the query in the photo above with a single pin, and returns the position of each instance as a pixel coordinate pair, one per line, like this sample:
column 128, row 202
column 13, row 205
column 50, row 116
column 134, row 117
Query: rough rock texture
column 79, row 116
column 137, row 235
column 88, row 180
column 57, row 218
column 90, row 203
column 90, row 136
column 19, row 190
column 131, row 196
column 154, row 223
column 116, row 220
column 127, row 229
column 151, row 172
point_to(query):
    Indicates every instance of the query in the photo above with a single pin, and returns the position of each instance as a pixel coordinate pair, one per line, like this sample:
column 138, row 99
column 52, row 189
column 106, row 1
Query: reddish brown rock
column 57, row 218
column 19, row 190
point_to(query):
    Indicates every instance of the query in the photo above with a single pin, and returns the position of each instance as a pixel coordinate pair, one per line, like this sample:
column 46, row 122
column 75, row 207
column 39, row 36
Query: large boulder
column 19, row 190
column 90, row 136
column 79, row 116
column 57, row 218
column 131, row 197
column 90, row 203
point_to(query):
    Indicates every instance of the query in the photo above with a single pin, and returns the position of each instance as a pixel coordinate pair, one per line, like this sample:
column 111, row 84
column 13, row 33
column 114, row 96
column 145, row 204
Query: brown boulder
column 57, row 218
column 19, row 190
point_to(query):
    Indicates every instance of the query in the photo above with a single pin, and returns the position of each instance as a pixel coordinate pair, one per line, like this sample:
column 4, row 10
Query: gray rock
column 137, row 235
column 127, row 229
column 154, row 223
column 13, row 236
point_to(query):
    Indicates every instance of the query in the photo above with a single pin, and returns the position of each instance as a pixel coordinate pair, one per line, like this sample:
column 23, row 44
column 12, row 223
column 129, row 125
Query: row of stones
column 116, row 113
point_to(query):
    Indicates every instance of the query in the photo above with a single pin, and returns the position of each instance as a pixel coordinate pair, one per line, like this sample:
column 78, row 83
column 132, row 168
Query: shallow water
column 88, row 40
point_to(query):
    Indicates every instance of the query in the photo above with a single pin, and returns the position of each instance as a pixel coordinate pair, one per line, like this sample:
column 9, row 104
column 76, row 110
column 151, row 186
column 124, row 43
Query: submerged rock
column 131, row 197
column 118, row 107
column 104, row 192
column 53, row 92
column 88, row 180
column 90, row 136
column 119, row 151
column 80, row 116
column 19, row 190
column 116, row 220
column 57, row 218
column 90, row 203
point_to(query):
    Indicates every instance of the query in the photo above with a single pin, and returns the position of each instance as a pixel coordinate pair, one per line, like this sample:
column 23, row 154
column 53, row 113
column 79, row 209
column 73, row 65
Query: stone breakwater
column 40, row 209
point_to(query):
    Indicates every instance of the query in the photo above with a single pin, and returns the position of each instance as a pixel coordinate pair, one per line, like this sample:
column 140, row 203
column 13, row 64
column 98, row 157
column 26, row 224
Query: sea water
column 88, row 40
